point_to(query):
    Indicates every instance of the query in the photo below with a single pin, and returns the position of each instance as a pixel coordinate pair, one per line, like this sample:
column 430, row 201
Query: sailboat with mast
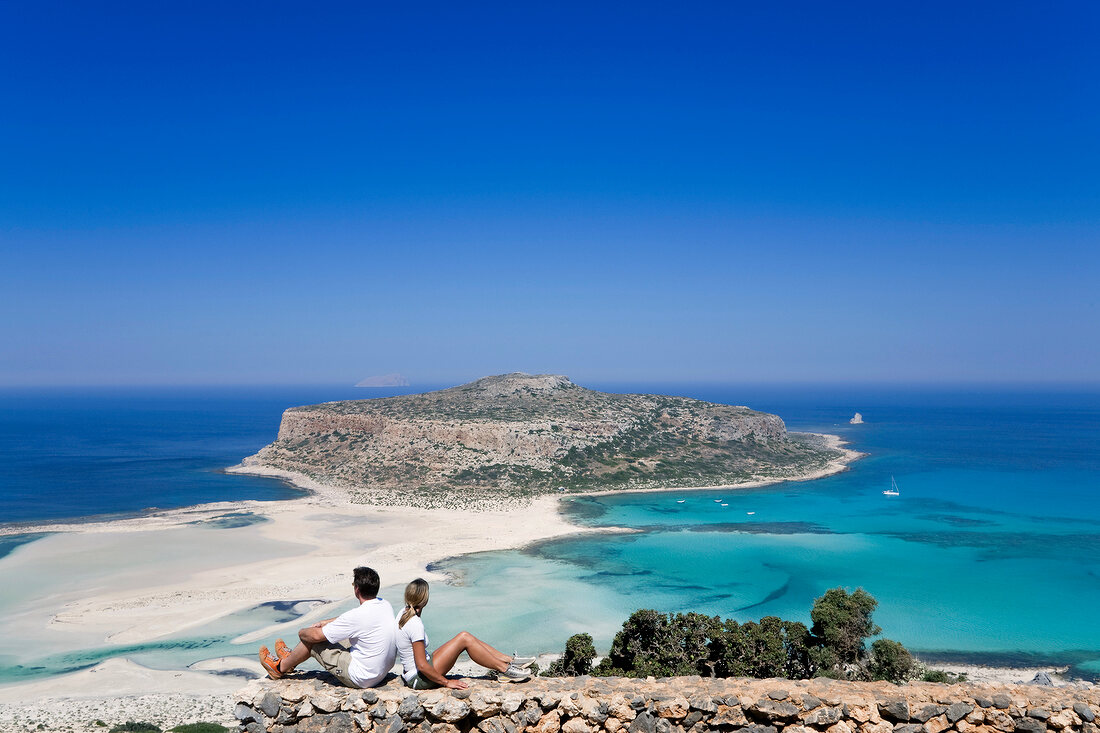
column 893, row 490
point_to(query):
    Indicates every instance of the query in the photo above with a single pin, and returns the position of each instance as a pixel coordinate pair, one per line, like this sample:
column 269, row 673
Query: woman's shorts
column 420, row 683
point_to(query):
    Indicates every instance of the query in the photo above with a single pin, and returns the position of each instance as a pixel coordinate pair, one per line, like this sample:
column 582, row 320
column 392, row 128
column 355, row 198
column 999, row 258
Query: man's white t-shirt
column 413, row 630
column 372, row 632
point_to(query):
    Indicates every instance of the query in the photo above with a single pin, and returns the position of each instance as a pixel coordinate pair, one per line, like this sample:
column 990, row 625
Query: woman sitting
column 423, row 671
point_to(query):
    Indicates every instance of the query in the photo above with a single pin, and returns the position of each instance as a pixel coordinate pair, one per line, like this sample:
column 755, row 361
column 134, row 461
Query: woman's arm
column 427, row 671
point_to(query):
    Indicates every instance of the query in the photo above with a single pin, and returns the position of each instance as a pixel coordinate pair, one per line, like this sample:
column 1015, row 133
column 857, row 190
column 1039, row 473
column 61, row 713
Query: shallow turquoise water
column 991, row 553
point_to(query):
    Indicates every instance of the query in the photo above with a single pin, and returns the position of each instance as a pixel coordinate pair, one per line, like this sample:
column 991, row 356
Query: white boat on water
column 893, row 490
column 680, row 501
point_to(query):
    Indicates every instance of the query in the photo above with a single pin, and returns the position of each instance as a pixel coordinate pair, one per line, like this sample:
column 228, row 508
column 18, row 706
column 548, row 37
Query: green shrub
column 661, row 645
column 666, row 645
column 199, row 728
column 841, row 621
column 938, row 675
column 576, row 660
column 890, row 661
column 135, row 727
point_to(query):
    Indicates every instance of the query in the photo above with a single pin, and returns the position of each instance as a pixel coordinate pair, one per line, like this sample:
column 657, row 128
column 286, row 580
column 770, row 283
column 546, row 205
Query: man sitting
column 370, row 629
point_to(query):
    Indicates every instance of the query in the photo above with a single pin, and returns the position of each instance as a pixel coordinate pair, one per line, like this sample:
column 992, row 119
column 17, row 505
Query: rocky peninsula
column 519, row 436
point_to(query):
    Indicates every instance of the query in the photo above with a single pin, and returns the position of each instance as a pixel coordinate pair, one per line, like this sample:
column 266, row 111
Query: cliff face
column 530, row 434
column 676, row 705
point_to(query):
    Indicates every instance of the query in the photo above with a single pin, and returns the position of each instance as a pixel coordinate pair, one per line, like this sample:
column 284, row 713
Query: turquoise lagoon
column 990, row 554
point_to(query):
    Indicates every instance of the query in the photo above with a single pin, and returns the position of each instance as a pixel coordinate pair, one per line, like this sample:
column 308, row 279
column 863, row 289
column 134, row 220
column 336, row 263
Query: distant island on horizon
column 519, row 436
column 384, row 380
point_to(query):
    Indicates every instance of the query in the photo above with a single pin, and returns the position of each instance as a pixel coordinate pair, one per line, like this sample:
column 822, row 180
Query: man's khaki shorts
column 335, row 658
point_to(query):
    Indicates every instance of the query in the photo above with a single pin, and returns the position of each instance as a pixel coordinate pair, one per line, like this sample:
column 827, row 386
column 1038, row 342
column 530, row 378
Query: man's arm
column 312, row 634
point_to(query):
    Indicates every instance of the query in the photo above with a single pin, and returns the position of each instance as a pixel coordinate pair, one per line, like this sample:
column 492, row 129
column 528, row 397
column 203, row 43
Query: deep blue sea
column 991, row 553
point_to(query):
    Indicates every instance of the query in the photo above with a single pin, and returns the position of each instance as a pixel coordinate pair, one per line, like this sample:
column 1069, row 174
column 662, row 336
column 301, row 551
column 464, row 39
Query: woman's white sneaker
column 515, row 674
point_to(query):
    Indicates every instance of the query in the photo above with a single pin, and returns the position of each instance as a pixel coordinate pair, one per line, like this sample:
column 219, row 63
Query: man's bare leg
column 298, row 654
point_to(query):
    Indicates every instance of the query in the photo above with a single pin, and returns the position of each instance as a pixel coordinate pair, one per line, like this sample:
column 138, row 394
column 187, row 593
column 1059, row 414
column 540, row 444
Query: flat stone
column 908, row 728
column 392, row 724
column 809, row 702
column 342, row 722
column 983, row 702
column 702, row 703
column 496, row 724
column 643, row 723
column 1039, row 713
column 729, row 716
column 369, row 696
column 410, row 709
column 1043, row 679
column 245, row 713
column 823, row 717
column 324, row 702
column 1031, row 725
column 1083, row 710
column 958, row 710
column 575, row 725
column 896, row 710
column 769, row 710
column 937, row 724
column 270, row 703
column 778, row 695
column 673, row 709
column 1002, row 702
column 549, row 723
column 450, row 710
column 928, row 712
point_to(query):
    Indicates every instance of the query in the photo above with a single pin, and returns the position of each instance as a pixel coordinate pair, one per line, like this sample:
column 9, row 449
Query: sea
column 990, row 554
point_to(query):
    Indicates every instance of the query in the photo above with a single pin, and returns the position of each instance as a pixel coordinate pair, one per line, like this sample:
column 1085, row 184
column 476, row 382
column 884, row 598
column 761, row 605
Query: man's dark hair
column 366, row 582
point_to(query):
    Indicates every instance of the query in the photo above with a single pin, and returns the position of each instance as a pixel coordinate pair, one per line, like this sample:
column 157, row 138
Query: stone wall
column 677, row 705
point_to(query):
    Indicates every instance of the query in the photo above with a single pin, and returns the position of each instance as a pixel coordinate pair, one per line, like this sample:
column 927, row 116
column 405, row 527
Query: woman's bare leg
column 447, row 654
column 490, row 652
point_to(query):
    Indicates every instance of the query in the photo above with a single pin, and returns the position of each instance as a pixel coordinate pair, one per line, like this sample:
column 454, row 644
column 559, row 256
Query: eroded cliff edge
column 522, row 435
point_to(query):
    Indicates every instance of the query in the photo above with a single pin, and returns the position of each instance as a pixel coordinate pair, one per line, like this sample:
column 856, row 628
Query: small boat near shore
column 893, row 490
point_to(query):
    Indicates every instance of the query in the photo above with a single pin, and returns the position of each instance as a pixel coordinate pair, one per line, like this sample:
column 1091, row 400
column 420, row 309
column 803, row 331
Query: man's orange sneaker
column 282, row 651
column 270, row 663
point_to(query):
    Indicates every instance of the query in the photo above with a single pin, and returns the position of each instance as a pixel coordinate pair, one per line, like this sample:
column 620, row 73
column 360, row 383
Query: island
column 520, row 436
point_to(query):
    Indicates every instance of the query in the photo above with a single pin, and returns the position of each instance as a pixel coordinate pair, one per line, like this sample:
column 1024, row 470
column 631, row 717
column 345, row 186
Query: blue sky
column 275, row 193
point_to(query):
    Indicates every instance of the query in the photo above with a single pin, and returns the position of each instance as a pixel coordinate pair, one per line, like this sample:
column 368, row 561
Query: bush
column 135, row 727
column 666, row 645
column 841, row 621
column 200, row 728
column 927, row 674
column 890, row 661
column 577, row 659
column 662, row 645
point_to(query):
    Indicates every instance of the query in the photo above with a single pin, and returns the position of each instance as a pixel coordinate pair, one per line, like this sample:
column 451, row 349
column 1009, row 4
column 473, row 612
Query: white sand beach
column 136, row 580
